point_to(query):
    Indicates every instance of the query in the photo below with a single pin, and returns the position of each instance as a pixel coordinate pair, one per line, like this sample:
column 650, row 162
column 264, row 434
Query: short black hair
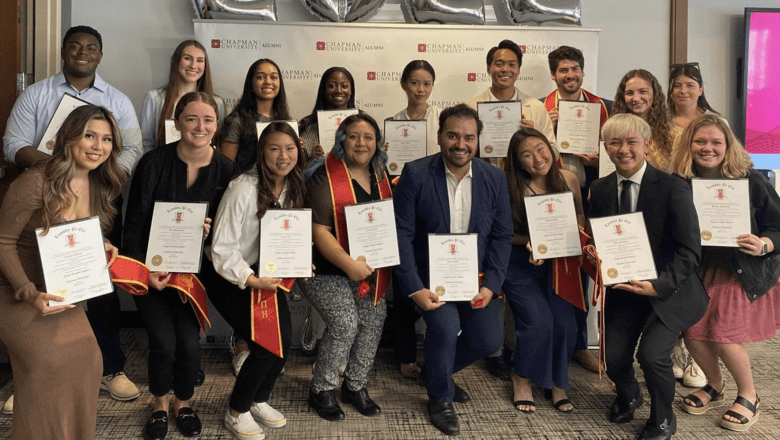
column 505, row 44
column 82, row 30
column 459, row 111
column 565, row 53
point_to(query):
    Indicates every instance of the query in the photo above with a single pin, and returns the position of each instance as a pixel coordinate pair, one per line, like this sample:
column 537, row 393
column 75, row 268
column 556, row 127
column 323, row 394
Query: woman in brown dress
column 56, row 361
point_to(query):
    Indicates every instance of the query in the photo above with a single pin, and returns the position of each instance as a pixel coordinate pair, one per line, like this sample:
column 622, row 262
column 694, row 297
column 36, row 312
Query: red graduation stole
column 265, row 317
column 594, row 272
column 133, row 276
column 343, row 194
column 551, row 102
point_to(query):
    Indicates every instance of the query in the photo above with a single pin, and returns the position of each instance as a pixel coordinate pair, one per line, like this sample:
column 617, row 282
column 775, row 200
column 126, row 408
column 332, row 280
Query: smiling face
column 360, row 144
column 458, row 141
column 94, row 147
column 280, row 155
column 535, row 157
column 81, row 56
column 639, row 96
column 708, row 150
column 338, row 90
column 568, row 76
column 197, row 123
column 686, row 92
column 192, row 64
column 504, row 69
column 418, row 87
column 265, row 84
column 627, row 152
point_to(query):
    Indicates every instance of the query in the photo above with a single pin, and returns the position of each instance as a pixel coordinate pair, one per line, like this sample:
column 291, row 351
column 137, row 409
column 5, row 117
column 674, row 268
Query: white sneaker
column 693, row 376
column 678, row 357
column 119, row 386
column 268, row 416
column 8, row 407
column 238, row 361
column 244, row 427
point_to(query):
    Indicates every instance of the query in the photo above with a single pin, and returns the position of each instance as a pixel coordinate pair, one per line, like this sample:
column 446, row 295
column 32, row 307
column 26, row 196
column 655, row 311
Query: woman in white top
column 276, row 181
column 417, row 81
column 189, row 72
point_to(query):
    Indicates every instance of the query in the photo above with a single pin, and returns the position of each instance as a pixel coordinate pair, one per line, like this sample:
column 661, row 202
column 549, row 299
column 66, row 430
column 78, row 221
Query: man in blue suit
column 450, row 192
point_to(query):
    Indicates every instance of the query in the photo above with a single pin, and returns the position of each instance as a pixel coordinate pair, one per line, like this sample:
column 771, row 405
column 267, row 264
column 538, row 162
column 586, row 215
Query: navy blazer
column 666, row 203
column 422, row 207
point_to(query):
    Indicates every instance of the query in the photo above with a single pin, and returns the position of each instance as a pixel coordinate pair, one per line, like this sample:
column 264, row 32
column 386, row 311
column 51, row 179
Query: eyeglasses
column 683, row 65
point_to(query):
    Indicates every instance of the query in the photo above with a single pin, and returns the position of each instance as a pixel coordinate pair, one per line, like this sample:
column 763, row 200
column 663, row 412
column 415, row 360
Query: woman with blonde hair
column 56, row 360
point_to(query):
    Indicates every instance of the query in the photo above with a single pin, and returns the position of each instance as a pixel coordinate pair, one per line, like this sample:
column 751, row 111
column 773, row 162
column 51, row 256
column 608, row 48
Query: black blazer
column 666, row 203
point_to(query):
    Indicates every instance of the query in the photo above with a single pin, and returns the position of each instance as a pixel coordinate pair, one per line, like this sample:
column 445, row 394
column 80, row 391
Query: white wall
column 139, row 37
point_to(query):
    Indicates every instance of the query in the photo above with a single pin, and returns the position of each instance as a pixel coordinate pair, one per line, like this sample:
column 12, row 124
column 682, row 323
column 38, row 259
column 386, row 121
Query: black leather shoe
column 621, row 413
column 664, row 431
column 157, row 426
column 461, row 396
column 326, row 405
column 188, row 422
column 498, row 368
column 200, row 377
column 360, row 400
column 443, row 417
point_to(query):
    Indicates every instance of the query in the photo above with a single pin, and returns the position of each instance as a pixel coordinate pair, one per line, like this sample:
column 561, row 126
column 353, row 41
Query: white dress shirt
column 636, row 182
column 459, row 195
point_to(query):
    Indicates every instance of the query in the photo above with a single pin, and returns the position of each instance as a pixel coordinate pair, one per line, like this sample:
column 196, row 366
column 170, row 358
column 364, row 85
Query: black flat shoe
column 624, row 413
column 157, row 426
column 360, row 400
column 497, row 367
column 664, row 431
column 461, row 396
column 188, row 422
column 443, row 417
column 326, row 405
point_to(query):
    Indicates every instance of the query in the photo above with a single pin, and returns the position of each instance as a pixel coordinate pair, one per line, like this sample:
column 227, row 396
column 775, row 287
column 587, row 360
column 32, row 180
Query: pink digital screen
column 762, row 115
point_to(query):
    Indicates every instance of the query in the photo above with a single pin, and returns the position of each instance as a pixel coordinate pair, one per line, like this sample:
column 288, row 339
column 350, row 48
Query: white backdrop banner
column 376, row 54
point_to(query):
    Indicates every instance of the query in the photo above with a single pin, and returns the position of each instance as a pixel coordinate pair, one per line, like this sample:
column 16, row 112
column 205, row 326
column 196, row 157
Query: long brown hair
column 105, row 182
column 174, row 82
column 518, row 179
column 296, row 195
column 736, row 162
column 658, row 118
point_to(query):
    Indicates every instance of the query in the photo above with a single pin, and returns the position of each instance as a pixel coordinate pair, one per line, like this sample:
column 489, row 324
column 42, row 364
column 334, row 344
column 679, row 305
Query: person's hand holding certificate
column 552, row 225
column 501, row 120
column 623, row 247
column 723, row 208
column 176, row 237
column 73, row 257
column 372, row 234
column 285, row 244
column 454, row 266
column 407, row 142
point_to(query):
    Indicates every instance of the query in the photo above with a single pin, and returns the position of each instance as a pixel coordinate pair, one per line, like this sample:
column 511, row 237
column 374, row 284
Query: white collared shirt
column 636, row 180
column 459, row 196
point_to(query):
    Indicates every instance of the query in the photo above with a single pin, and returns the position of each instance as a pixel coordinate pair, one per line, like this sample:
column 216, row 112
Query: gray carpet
column 489, row 415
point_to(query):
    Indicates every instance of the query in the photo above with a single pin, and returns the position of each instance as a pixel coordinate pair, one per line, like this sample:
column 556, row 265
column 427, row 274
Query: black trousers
column 627, row 317
column 403, row 317
column 258, row 375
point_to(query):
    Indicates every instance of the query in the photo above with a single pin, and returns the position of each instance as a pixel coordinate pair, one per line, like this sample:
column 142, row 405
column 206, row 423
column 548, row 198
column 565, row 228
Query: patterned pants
column 354, row 328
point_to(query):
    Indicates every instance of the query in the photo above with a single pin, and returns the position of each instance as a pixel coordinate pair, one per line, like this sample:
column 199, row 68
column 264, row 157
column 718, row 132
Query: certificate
column 500, row 121
column 328, row 122
column 176, row 237
column 73, row 258
column 407, row 142
column 67, row 104
column 623, row 247
column 261, row 126
column 454, row 266
column 171, row 133
column 723, row 207
column 578, row 126
column 371, row 233
column 606, row 166
column 285, row 244
column 552, row 225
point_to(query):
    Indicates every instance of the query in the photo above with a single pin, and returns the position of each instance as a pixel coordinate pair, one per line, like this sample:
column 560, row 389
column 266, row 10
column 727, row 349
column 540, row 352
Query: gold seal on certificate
column 285, row 243
column 612, row 272
column 488, row 149
column 542, row 249
column 706, row 235
column 157, row 260
column 393, row 166
column 565, row 145
column 440, row 290
column 361, row 258
column 61, row 292
column 552, row 222
column 270, row 267
column 723, row 209
column 176, row 237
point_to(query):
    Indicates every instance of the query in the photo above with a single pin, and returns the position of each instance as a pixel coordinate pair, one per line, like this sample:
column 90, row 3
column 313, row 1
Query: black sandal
column 743, row 424
column 525, row 403
column 557, row 405
column 699, row 407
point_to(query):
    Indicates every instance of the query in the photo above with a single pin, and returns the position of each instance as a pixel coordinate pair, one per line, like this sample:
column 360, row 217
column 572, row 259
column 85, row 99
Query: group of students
column 446, row 192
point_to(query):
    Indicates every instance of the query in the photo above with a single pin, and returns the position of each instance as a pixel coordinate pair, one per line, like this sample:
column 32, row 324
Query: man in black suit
column 657, row 310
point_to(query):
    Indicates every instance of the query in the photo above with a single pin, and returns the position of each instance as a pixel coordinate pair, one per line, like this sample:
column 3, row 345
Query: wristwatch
column 764, row 249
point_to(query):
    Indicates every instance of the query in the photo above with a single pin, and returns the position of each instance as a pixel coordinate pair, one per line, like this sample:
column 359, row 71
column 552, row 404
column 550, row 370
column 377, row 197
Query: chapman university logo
column 296, row 75
column 383, row 76
column 478, row 77
column 537, row 49
column 229, row 43
column 339, row 46
column 439, row 48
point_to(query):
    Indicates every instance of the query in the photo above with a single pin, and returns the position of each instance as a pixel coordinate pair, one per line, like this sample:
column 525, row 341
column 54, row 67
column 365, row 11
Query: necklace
column 535, row 189
column 76, row 191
